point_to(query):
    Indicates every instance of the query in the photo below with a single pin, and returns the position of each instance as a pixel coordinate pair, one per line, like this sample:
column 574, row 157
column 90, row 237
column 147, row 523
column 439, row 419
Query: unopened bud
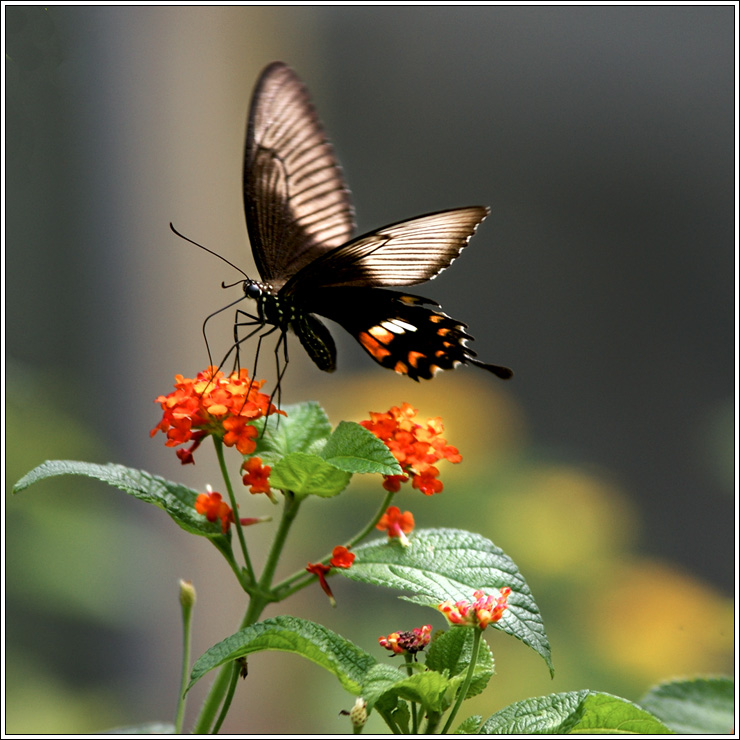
column 358, row 713
column 187, row 594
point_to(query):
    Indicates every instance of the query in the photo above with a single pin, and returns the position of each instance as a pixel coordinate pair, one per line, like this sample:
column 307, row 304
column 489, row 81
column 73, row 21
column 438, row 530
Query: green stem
column 414, row 716
column 239, row 531
column 213, row 700
column 260, row 597
column 289, row 586
column 477, row 636
column 187, row 599
column 235, row 671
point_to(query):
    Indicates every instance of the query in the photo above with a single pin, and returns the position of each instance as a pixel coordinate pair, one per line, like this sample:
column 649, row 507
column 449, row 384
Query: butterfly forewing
column 295, row 199
column 405, row 253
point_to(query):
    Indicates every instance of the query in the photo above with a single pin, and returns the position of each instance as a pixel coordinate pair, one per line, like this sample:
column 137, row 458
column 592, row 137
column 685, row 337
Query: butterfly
column 301, row 223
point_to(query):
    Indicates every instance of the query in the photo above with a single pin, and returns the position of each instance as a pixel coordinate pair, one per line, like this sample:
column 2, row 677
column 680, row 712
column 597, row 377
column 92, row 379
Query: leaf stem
column 462, row 694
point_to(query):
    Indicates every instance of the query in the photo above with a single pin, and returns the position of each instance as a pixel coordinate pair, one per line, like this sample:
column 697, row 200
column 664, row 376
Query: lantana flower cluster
column 417, row 447
column 213, row 404
column 480, row 613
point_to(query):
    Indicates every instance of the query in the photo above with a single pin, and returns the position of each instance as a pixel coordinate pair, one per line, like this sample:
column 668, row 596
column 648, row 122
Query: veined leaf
column 331, row 651
column 353, row 448
column 442, row 564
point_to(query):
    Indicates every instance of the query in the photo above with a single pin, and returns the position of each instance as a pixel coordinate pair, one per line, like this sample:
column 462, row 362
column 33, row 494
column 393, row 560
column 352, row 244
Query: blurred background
column 602, row 138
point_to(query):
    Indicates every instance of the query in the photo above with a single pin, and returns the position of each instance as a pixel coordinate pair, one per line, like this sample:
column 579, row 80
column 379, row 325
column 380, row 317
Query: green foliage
column 315, row 642
column 442, row 564
column 575, row 712
column 698, row 706
column 451, row 652
column 177, row 500
column 437, row 565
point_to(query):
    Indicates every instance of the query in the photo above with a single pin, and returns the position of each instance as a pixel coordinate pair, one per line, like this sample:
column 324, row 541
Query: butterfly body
column 301, row 224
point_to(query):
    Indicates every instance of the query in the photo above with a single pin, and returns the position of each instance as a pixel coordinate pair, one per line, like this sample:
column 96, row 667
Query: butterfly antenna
column 210, row 251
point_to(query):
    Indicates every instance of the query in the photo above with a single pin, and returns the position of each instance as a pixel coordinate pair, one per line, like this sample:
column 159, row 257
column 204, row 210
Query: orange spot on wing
column 414, row 358
column 377, row 350
column 401, row 367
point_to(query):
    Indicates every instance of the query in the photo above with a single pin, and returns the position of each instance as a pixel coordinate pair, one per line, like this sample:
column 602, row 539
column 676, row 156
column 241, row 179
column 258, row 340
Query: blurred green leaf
column 700, row 706
column 442, row 564
column 331, row 651
column 469, row 726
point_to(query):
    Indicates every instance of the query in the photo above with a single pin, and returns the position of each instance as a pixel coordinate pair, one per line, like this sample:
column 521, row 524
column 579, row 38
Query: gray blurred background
column 603, row 140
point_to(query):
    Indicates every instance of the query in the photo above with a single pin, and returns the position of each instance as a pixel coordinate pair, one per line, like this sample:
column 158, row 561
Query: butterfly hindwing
column 296, row 202
column 403, row 332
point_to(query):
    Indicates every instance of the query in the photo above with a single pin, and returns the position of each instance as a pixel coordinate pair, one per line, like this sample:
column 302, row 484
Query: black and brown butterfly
column 300, row 223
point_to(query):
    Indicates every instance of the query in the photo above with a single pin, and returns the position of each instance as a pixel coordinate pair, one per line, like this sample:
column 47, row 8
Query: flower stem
column 187, row 599
column 239, row 531
column 477, row 633
column 289, row 586
column 235, row 670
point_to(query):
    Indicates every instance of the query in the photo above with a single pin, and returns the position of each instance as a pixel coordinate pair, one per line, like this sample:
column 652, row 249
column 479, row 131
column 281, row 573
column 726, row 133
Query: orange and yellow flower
column 480, row 613
column 417, row 447
column 213, row 404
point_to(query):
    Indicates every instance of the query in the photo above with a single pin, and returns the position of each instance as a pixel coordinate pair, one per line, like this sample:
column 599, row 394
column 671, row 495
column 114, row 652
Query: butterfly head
column 254, row 289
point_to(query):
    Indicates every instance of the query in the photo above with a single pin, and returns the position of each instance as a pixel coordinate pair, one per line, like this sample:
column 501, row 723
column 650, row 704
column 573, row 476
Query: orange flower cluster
column 482, row 612
column 396, row 524
column 417, row 448
column 213, row 404
column 409, row 643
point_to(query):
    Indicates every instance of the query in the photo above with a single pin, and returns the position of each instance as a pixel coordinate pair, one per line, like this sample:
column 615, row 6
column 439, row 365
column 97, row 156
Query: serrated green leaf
column 699, row 706
column 379, row 682
column 177, row 500
column 315, row 642
column 451, row 652
column 305, row 474
column 442, row 564
column 573, row 713
column 304, row 426
column 353, row 448
column 469, row 726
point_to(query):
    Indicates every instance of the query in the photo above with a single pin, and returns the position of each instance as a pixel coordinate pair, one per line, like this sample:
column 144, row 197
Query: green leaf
column 451, row 652
column 331, row 651
column 353, row 448
column 442, row 564
column 573, row 713
column 304, row 426
column 701, row 706
column 469, row 726
column 305, row 474
column 384, row 684
column 430, row 689
column 177, row 500
column 378, row 684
